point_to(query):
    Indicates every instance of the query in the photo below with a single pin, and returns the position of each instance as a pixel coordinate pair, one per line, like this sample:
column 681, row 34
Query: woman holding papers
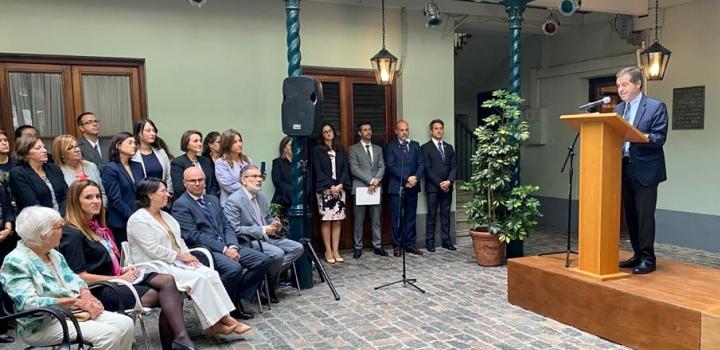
column 90, row 250
column 155, row 235
column 331, row 182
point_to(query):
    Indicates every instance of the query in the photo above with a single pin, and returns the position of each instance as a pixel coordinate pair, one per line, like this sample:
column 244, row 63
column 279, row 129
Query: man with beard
column 248, row 212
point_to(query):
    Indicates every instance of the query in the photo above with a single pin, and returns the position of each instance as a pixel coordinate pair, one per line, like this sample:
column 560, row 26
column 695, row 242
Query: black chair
column 58, row 313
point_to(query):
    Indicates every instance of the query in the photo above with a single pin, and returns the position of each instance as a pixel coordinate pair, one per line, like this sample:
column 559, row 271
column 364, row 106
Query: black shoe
column 357, row 254
column 180, row 346
column 414, row 251
column 5, row 338
column 241, row 315
column 644, row 267
column 632, row 262
column 380, row 251
column 430, row 248
column 273, row 298
column 449, row 247
column 397, row 253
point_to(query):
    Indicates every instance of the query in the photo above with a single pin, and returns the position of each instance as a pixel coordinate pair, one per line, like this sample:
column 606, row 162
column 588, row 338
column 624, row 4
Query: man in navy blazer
column 440, row 174
column 202, row 223
column 643, row 167
column 404, row 163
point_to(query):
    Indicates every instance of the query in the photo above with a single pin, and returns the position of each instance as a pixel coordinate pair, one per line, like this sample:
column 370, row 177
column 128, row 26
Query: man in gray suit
column 89, row 142
column 248, row 212
column 367, row 168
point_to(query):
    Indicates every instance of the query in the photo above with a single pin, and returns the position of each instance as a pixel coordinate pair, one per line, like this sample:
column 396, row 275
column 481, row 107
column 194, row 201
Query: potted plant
column 499, row 212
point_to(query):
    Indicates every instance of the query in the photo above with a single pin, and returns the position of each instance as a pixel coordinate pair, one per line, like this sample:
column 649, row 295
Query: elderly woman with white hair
column 34, row 275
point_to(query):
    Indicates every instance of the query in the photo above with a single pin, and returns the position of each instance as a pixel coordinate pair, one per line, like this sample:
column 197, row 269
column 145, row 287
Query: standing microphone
column 591, row 105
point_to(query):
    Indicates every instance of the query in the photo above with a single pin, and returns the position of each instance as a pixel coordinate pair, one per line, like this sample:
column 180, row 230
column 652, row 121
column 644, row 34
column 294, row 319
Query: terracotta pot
column 489, row 250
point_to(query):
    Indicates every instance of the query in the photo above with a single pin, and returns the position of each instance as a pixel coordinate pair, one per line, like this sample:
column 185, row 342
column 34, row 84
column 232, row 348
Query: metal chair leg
column 267, row 290
column 297, row 282
column 260, row 307
column 144, row 332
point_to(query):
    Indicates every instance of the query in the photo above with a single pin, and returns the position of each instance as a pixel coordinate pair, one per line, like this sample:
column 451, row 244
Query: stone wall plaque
column 688, row 108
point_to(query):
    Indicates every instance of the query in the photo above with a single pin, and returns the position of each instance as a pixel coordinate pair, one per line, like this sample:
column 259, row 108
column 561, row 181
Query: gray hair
column 636, row 75
column 248, row 168
column 34, row 224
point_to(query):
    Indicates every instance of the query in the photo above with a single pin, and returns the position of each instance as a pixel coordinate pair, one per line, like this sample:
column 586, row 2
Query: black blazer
column 29, row 189
column 401, row 164
column 322, row 167
column 282, row 180
column 438, row 170
column 120, row 191
column 196, row 229
column 178, row 166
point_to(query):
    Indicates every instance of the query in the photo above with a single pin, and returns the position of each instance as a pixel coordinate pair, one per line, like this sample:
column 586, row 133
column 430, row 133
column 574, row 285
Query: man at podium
column 643, row 167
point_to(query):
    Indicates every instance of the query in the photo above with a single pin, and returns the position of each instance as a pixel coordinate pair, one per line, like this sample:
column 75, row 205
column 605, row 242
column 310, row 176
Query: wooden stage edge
column 676, row 307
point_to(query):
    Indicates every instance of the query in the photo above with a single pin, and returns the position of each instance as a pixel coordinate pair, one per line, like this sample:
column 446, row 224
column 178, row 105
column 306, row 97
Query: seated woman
column 34, row 275
column 155, row 235
column 69, row 158
column 229, row 165
column 90, row 250
column 34, row 181
column 191, row 144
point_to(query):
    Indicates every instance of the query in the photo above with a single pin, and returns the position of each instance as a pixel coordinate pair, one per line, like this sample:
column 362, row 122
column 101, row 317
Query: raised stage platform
column 676, row 307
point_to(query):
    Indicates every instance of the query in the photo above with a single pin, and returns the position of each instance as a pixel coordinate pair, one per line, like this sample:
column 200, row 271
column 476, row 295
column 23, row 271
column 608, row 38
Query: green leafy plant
column 505, row 210
column 277, row 210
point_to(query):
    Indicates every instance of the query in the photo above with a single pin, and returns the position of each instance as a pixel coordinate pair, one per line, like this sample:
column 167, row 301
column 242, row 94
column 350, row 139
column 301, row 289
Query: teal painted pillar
column 299, row 213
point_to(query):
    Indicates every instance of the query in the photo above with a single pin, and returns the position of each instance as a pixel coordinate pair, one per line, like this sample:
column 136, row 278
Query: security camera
column 569, row 7
column 198, row 3
column 551, row 25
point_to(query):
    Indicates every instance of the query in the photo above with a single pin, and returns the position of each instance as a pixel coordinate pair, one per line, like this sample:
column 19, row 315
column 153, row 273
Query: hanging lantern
column 656, row 57
column 384, row 62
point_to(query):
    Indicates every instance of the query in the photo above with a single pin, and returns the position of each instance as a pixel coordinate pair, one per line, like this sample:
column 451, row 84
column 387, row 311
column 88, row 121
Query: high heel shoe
column 180, row 346
column 337, row 257
column 329, row 258
column 241, row 328
column 220, row 329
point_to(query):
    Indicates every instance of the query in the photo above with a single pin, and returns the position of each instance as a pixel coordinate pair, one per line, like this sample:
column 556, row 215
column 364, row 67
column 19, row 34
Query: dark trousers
column 443, row 201
column 639, row 205
column 237, row 284
column 409, row 203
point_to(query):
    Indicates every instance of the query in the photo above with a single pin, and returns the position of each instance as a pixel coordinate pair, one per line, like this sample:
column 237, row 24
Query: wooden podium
column 601, row 139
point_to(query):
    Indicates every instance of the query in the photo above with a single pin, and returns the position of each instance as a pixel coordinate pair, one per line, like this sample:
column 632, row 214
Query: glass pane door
column 109, row 97
column 37, row 99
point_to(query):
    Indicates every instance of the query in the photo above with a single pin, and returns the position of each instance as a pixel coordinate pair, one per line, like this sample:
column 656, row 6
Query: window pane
column 108, row 96
column 331, row 106
column 37, row 99
column 369, row 106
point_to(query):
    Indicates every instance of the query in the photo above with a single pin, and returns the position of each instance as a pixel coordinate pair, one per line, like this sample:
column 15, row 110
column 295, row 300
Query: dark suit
column 643, row 170
column 282, row 180
column 29, row 189
column 120, row 192
column 216, row 234
column 322, row 167
column 402, row 162
column 91, row 155
column 178, row 166
column 437, row 170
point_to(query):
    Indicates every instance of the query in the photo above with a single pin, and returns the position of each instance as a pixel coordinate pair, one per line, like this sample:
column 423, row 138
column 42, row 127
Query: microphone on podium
column 591, row 105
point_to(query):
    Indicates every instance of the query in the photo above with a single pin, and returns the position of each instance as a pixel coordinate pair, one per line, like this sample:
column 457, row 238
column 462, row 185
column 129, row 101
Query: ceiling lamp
column 384, row 62
column 656, row 57
column 432, row 14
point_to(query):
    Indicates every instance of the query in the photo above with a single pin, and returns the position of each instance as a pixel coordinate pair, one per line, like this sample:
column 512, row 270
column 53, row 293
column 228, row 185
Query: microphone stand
column 400, row 228
column 569, row 159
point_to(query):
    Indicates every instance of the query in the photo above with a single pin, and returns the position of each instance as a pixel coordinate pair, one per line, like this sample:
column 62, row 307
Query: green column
column 299, row 213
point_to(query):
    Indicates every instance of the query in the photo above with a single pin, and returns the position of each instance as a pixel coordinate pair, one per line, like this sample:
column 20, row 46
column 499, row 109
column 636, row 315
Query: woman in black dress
column 282, row 175
column 90, row 250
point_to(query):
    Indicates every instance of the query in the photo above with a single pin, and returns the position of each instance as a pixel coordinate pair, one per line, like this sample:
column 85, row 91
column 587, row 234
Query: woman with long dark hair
column 229, row 165
column 211, row 146
column 152, row 152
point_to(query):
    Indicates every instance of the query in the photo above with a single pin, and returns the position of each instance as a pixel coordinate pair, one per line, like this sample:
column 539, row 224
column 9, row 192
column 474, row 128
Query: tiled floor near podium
column 465, row 308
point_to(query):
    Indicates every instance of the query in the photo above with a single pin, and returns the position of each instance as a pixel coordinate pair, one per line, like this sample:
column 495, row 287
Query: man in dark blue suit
column 202, row 223
column 440, row 173
column 643, row 167
column 404, row 163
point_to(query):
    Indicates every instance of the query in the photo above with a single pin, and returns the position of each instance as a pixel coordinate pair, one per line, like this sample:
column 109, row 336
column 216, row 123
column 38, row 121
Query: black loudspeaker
column 302, row 106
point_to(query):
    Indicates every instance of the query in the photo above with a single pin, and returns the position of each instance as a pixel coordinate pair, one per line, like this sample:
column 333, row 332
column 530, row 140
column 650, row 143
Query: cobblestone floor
column 465, row 307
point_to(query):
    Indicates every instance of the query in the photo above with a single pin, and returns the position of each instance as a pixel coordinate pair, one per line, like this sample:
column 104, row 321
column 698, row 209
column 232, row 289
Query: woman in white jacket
column 152, row 152
column 154, row 235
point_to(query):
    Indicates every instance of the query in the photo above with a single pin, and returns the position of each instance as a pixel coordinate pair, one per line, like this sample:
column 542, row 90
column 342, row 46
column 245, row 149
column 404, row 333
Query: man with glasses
column 248, row 212
column 89, row 142
column 202, row 223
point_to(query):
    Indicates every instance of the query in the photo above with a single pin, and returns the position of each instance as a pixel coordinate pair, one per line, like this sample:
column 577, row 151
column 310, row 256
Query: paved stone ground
column 465, row 307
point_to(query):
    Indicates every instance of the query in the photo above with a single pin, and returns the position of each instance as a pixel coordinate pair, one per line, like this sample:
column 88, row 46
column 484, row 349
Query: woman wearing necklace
column 191, row 144
column 69, row 158
column 154, row 235
column 152, row 152
column 35, row 275
column 119, row 177
column 34, row 181
column 90, row 250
